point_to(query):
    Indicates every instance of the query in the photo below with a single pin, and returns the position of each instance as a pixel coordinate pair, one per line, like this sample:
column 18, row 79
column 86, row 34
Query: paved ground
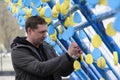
column 7, row 78
column 6, row 69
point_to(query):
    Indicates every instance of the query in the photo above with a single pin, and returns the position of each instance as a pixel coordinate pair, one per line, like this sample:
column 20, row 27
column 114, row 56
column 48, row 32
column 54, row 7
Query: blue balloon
column 14, row 1
column 61, row 1
column 51, row 29
column 117, row 15
column 37, row 3
column 48, row 12
column 47, row 39
column 43, row 4
column 52, row 43
column 77, row 17
column 116, row 25
column 59, row 36
column 9, row 8
column 82, row 34
column 21, row 12
column 15, row 15
column 68, row 33
column 114, row 4
column 96, row 54
column 26, row 3
column 92, row 2
column 35, row 11
column 21, row 20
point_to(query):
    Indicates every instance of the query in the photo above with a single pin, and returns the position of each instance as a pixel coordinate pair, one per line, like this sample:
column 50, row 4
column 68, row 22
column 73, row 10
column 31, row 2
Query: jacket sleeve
column 67, row 66
column 22, row 59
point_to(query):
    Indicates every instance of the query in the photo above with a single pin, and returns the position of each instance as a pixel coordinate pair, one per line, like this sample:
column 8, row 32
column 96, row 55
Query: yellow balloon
column 103, row 2
column 26, row 16
column 102, row 79
column 7, row 1
column 89, row 59
column 76, row 65
column 39, row 9
column 101, row 63
column 48, row 20
column 32, row 4
column 45, row 0
column 19, row 3
column 53, row 36
column 63, row 9
column 42, row 12
column 115, row 57
column 66, row 4
column 54, row 12
column 13, row 8
column 58, row 6
column 71, row 20
column 110, row 30
column 67, row 22
column 96, row 41
column 28, row 12
column 81, row 57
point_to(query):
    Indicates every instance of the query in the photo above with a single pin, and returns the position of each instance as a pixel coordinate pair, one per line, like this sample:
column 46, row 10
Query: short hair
column 33, row 21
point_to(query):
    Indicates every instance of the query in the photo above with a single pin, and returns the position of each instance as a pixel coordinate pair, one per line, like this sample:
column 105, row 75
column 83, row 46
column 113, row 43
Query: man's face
column 38, row 35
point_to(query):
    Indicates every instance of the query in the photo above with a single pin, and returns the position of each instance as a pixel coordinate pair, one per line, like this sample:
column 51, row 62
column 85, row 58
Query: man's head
column 33, row 21
column 36, row 29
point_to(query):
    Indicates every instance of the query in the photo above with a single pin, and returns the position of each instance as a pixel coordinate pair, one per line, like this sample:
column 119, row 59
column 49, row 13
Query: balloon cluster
column 62, row 21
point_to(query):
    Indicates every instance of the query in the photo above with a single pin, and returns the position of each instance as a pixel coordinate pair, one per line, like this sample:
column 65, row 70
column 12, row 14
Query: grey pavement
column 6, row 69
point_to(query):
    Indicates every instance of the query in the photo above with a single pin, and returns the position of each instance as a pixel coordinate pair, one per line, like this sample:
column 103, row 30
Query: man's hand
column 74, row 50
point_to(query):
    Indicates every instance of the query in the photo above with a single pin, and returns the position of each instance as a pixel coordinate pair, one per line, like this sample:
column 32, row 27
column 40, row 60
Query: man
column 34, row 59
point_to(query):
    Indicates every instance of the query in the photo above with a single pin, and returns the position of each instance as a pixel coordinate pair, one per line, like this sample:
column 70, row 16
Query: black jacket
column 29, row 65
